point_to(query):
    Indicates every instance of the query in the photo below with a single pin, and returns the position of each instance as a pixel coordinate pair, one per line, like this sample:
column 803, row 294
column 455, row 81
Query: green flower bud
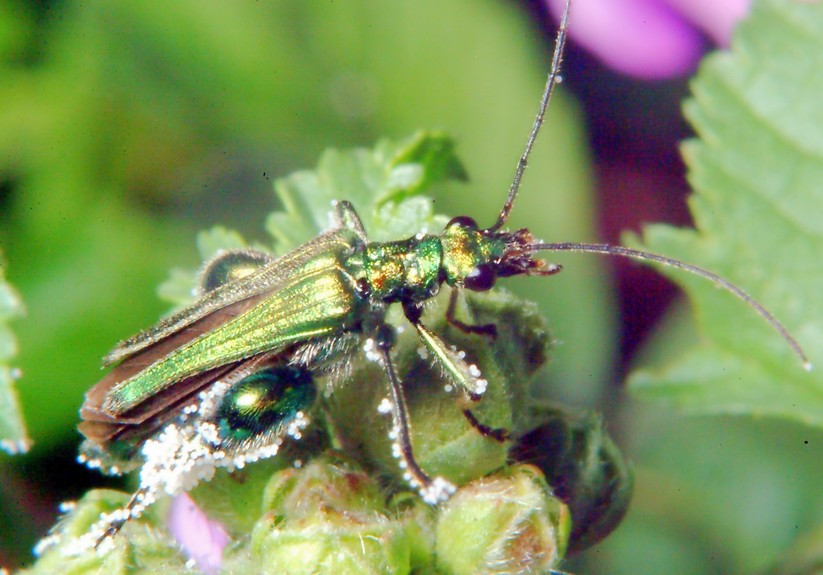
column 143, row 548
column 328, row 517
column 508, row 523
column 585, row 469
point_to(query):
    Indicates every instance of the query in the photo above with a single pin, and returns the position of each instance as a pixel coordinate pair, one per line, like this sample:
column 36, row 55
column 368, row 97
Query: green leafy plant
column 756, row 171
column 745, row 484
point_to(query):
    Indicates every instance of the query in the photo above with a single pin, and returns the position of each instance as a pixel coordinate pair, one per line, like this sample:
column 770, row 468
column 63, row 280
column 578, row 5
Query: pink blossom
column 651, row 38
column 202, row 539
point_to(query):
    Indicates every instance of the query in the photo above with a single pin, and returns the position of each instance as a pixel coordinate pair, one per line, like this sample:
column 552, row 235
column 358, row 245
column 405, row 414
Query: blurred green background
column 125, row 127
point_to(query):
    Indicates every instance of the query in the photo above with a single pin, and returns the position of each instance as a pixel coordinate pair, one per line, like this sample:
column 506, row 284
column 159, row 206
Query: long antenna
column 551, row 82
column 606, row 249
column 620, row 251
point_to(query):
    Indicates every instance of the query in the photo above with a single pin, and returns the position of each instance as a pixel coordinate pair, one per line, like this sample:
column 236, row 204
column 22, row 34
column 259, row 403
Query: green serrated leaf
column 179, row 288
column 13, row 436
column 756, row 171
column 211, row 242
column 434, row 152
column 382, row 184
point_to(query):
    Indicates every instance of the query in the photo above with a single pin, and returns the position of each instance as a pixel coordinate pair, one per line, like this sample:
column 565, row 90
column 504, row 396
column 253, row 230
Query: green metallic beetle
column 226, row 380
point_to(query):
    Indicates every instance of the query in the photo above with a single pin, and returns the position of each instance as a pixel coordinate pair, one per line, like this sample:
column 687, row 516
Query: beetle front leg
column 466, row 376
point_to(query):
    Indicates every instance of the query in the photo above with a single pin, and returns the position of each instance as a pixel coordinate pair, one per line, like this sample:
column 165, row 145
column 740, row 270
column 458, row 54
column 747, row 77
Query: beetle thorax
column 407, row 270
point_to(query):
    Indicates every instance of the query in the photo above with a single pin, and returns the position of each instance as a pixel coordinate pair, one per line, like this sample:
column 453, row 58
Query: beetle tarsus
column 485, row 329
column 499, row 434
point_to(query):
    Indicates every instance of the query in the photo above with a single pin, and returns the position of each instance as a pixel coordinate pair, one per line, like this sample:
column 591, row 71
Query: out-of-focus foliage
column 728, row 495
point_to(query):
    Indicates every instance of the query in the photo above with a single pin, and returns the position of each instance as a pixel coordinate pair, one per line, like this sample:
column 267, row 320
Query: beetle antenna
column 620, row 251
column 551, row 82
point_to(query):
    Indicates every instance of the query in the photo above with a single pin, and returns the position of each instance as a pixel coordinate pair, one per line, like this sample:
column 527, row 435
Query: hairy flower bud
column 507, row 523
column 328, row 517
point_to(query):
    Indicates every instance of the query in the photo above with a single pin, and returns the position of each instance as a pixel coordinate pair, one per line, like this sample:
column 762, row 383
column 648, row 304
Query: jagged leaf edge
column 726, row 377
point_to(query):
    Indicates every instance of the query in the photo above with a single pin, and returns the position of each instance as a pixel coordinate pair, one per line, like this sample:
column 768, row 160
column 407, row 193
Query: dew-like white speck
column 437, row 491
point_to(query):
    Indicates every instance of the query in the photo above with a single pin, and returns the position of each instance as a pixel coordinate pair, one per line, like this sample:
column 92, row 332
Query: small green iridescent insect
column 226, row 380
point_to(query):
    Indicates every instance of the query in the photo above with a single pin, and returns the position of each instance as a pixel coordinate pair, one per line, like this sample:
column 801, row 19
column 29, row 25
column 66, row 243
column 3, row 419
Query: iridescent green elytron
column 226, row 380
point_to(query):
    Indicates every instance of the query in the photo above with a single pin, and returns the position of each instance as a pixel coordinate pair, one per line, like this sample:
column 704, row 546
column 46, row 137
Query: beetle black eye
column 464, row 221
column 481, row 278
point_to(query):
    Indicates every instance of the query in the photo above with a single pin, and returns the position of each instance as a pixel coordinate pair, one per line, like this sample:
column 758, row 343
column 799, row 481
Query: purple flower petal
column 716, row 18
column 202, row 539
column 643, row 38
